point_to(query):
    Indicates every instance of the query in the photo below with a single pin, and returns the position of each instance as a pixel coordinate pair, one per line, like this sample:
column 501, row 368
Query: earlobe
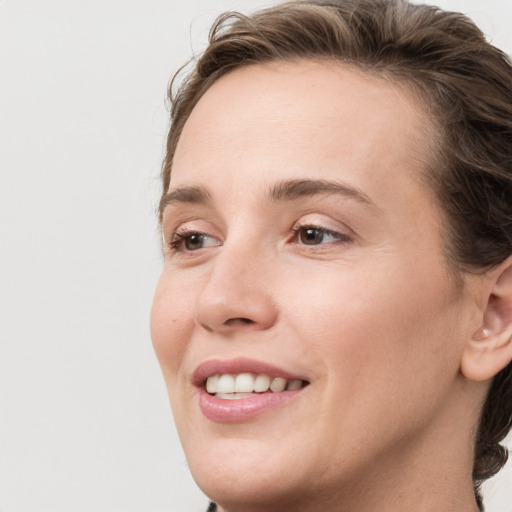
column 484, row 357
column 490, row 348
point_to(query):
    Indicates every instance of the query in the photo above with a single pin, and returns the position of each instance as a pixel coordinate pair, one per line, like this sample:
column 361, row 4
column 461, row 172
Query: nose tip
column 234, row 298
column 224, row 314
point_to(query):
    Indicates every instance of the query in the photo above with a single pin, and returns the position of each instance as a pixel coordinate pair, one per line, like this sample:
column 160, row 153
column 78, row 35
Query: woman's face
column 302, row 244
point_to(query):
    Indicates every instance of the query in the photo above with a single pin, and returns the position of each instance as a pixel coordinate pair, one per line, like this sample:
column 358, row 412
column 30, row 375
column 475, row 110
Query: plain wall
column 85, row 424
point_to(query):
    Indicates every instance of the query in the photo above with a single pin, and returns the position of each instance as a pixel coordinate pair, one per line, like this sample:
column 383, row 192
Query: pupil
column 311, row 236
column 193, row 241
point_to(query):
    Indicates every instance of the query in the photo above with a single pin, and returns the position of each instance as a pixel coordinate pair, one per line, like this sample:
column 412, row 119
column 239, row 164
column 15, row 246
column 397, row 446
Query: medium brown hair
column 466, row 86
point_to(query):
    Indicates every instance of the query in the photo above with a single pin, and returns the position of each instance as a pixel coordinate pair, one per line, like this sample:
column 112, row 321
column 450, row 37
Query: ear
column 490, row 348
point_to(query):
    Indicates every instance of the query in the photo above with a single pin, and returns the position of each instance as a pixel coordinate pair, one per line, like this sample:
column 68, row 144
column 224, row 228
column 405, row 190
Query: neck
column 420, row 490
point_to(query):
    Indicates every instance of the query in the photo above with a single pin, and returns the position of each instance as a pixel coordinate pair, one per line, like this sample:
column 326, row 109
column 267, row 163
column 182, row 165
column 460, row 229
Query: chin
column 266, row 491
column 238, row 471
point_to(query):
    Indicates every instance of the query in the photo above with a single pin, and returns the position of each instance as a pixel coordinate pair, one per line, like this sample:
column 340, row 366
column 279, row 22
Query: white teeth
column 278, row 384
column 212, row 383
column 244, row 383
column 261, row 383
column 226, row 384
column 294, row 384
column 232, row 387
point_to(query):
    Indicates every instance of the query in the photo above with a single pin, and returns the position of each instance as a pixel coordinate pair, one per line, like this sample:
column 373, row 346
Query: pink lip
column 245, row 409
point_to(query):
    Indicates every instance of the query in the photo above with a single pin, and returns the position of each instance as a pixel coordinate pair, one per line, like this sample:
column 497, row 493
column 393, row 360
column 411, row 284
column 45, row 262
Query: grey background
column 85, row 425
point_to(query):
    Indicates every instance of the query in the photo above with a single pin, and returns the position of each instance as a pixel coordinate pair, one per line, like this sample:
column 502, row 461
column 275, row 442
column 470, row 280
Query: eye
column 192, row 241
column 314, row 235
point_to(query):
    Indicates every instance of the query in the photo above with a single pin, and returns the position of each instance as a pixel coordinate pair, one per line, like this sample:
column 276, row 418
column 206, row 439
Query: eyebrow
column 283, row 191
column 191, row 195
column 295, row 189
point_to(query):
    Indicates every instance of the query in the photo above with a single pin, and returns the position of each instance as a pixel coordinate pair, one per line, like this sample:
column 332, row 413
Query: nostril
column 239, row 321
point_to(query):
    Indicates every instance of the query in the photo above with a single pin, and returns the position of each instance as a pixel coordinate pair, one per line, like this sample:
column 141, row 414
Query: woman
column 334, row 315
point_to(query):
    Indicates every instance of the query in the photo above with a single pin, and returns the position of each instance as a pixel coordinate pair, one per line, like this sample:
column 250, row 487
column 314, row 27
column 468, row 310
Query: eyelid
column 187, row 224
column 323, row 223
column 198, row 217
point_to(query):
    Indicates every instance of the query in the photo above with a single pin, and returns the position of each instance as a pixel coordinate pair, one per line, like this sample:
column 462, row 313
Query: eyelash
column 179, row 238
column 341, row 238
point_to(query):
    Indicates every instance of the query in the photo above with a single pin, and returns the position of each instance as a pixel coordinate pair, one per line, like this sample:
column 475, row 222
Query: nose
column 237, row 293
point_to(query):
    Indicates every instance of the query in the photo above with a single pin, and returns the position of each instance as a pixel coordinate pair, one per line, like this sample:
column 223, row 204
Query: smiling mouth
column 229, row 386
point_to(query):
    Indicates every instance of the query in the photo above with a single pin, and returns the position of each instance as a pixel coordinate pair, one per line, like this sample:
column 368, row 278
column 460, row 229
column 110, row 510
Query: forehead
column 283, row 118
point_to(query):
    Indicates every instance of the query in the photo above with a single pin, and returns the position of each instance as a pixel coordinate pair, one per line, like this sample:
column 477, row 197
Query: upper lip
column 236, row 366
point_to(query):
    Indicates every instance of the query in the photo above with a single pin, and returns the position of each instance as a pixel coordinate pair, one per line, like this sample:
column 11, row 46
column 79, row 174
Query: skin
column 371, row 317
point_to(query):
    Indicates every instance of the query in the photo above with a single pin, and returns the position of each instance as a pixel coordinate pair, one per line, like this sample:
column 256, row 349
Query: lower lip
column 243, row 409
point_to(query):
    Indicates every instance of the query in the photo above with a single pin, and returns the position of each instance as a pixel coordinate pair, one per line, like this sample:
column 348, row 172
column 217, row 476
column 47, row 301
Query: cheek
column 171, row 326
column 389, row 330
column 381, row 343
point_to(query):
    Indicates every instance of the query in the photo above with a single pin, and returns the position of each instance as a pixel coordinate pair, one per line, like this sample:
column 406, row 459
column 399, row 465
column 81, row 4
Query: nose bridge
column 237, row 292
